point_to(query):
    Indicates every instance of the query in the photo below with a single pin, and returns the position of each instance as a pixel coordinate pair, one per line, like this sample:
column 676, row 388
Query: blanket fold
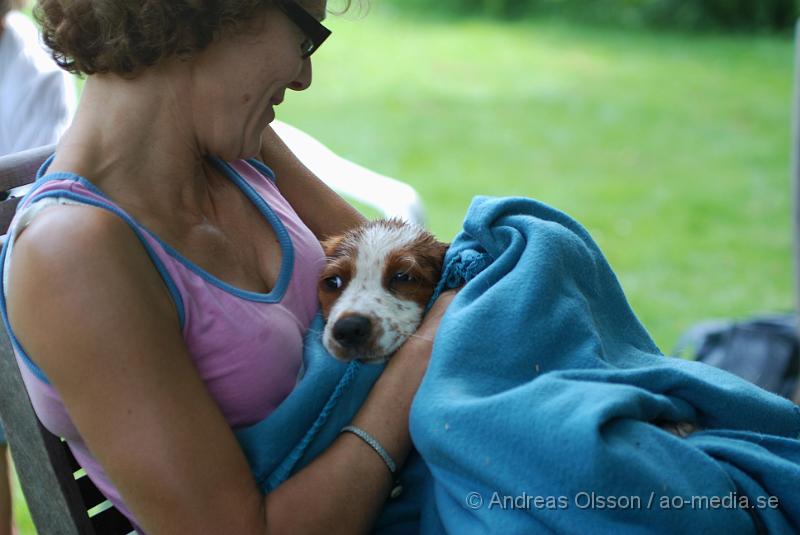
column 536, row 413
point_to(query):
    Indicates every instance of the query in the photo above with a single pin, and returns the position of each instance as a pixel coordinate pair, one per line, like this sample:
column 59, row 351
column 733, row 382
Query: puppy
column 375, row 285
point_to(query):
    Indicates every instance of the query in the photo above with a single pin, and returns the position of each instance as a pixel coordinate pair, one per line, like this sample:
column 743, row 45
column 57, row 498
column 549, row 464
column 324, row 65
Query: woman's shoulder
column 77, row 261
column 64, row 215
column 62, row 233
column 71, row 249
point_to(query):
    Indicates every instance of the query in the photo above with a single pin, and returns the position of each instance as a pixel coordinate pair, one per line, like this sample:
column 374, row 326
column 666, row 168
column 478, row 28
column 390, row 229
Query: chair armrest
column 389, row 196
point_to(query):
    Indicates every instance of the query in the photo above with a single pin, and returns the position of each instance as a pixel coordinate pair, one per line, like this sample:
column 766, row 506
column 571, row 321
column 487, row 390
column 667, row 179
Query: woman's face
column 239, row 79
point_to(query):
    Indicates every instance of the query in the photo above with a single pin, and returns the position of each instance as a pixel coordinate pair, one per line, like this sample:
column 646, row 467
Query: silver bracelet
column 397, row 488
column 374, row 444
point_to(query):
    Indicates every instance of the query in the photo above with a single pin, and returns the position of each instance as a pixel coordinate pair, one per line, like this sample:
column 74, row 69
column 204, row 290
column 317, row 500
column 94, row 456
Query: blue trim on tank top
column 287, row 249
column 261, row 166
column 159, row 264
column 285, row 241
column 7, row 324
column 43, row 168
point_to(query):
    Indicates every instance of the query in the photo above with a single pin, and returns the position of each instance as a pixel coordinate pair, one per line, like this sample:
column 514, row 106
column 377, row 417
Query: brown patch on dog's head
column 338, row 271
column 413, row 271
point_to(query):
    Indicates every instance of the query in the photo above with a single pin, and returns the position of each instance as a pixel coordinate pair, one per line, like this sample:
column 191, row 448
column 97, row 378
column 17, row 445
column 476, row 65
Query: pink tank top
column 247, row 346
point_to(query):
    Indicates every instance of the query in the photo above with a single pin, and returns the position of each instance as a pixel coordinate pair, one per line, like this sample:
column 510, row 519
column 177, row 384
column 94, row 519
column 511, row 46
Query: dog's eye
column 334, row 283
column 402, row 277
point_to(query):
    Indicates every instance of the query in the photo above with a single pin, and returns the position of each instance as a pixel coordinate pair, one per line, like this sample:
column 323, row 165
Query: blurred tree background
column 749, row 15
column 661, row 125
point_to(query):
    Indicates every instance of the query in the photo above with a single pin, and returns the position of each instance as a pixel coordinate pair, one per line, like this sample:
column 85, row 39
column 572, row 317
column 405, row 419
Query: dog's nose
column 352, row 331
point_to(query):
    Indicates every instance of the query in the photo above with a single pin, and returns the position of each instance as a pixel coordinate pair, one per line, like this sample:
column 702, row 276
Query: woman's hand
column 430, row 323
column 419, row 346
column 354, row 478
column 320, row 208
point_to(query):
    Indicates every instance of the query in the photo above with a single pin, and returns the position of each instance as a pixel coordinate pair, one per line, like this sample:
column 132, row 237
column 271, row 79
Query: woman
column 147, row 277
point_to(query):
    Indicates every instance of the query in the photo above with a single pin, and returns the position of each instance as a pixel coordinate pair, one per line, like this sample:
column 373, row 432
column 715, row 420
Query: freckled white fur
column 395, row 319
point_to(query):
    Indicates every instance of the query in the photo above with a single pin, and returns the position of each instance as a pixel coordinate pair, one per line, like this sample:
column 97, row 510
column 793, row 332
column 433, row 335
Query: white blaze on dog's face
column 375, row 286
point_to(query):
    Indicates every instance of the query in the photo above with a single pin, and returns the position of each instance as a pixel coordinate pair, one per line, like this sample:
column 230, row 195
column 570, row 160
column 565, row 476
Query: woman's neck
column 136, row 137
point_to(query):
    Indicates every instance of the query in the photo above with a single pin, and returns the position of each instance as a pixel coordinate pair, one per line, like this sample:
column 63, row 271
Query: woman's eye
column 401, row 277
column 334, row 283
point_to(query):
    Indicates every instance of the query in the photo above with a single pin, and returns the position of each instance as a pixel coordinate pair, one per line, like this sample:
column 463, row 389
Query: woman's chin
column 247, row 146
column 250, row 148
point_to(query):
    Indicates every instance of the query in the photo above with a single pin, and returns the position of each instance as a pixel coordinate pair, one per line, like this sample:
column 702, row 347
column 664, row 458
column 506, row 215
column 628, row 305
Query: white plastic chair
column 388, row 196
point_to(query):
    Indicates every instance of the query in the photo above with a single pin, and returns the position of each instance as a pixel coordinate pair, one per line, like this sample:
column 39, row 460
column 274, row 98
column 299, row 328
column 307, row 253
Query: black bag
column 762, row 349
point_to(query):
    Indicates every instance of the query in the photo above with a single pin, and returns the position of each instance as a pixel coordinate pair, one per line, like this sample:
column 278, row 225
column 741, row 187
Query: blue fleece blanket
column 535, row 413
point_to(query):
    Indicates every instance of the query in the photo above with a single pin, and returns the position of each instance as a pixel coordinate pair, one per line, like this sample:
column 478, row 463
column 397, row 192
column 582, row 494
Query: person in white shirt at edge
column 37, row 100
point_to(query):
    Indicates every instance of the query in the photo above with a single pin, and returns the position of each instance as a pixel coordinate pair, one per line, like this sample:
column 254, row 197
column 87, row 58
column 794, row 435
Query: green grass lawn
column 673, row 150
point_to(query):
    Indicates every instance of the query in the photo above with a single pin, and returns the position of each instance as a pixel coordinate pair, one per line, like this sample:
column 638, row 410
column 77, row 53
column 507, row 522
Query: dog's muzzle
column 352, row 332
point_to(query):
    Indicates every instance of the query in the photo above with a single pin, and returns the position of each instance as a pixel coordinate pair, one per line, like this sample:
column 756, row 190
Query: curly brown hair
column 124, row 36
column 8, row 5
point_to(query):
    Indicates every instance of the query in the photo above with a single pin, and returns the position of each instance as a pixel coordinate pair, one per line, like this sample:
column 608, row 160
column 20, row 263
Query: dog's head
column 375, row 285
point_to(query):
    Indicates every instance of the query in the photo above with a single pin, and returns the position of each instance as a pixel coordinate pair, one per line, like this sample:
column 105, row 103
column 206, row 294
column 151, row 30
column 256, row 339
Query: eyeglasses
column 315, row 32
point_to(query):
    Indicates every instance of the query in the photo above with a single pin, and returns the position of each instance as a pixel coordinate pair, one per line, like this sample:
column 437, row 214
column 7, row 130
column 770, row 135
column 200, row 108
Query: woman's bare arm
column 320, row 208
column 88, row 306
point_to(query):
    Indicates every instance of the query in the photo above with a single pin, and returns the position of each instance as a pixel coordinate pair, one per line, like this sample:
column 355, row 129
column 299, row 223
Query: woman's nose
column 303, row 80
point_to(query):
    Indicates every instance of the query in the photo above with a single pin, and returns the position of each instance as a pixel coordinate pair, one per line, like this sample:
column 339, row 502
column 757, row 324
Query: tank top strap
column 69, row 188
